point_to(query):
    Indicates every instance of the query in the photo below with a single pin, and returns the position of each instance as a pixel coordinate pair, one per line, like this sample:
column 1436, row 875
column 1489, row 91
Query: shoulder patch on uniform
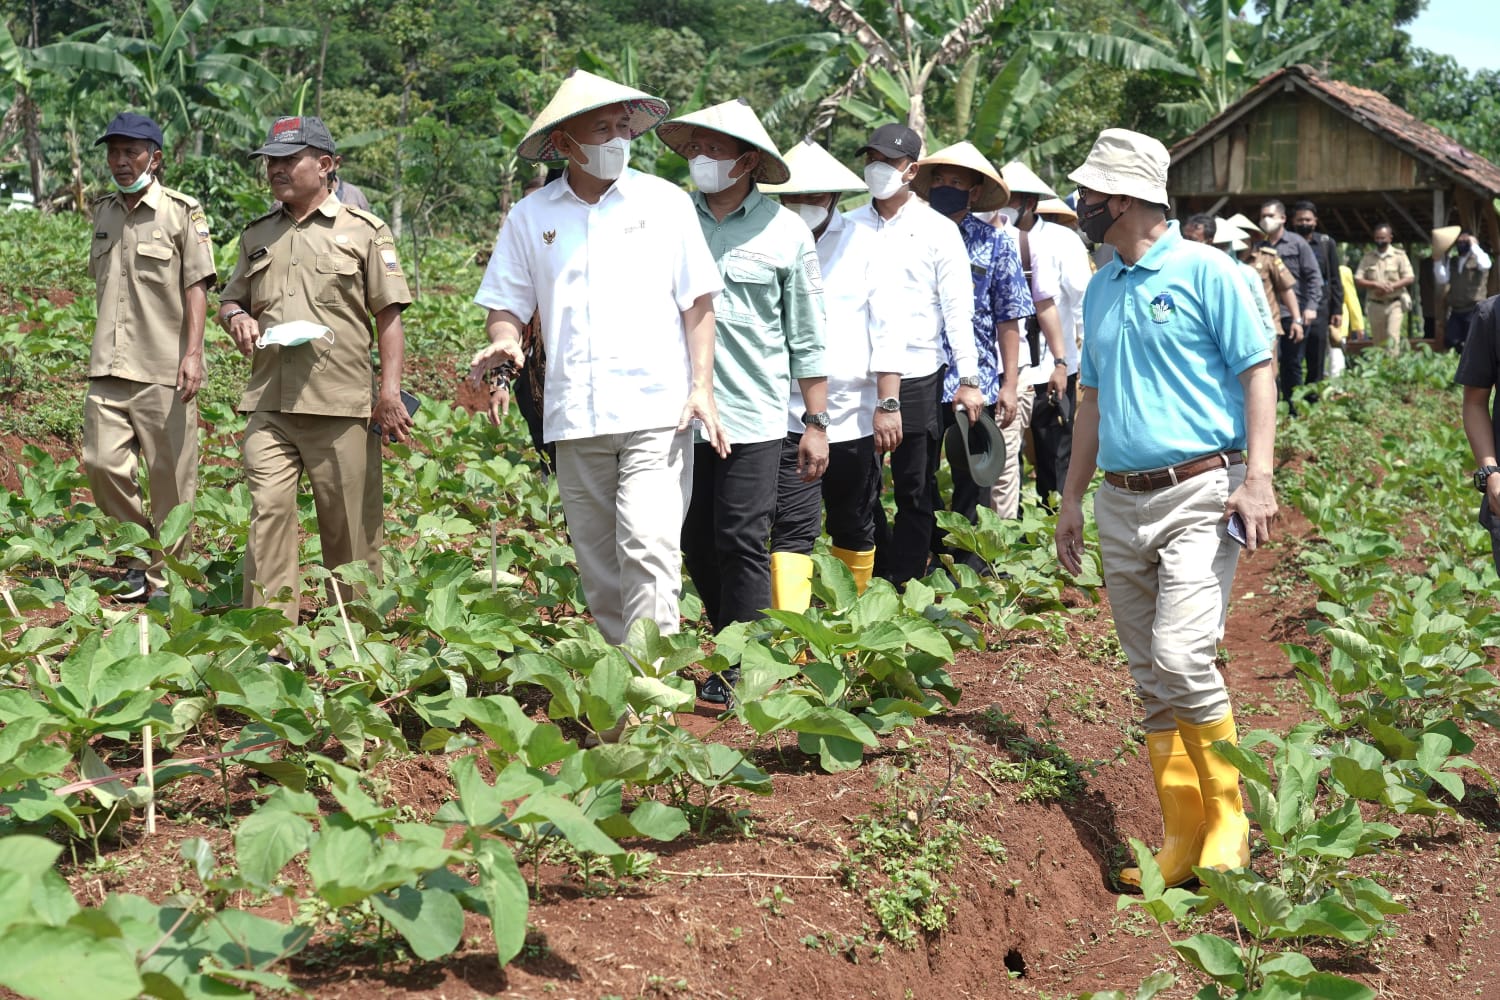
column 176, row 195
column 199, row 221
column 812, row 269
column 384, row 240
column 369, row 217
column 392, row 262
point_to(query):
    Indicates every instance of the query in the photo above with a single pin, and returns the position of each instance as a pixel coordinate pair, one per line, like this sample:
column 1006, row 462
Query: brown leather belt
column 1160, row 479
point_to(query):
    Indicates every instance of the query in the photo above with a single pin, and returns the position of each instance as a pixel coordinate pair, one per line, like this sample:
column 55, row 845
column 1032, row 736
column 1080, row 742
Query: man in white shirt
column 1466, row 274
column 1057, row 266
column 864, row 386
column 615, row 264
column 924, row 273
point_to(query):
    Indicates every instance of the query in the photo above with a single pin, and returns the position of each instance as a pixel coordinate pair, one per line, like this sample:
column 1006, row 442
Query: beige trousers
column 625, row 497
column 125, row 423
column 1005, row 496
column 342, row 461
column 1386, row 322
column 1168, row 566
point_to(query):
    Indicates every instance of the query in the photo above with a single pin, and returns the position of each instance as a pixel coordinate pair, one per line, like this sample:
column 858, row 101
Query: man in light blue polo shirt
column 1178, row 407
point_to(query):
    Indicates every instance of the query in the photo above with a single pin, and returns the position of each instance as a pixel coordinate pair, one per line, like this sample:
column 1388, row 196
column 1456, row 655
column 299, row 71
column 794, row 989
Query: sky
column 1454, row 27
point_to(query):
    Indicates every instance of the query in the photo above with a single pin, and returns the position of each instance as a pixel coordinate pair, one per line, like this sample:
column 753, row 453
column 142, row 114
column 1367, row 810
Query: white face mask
column 813, row 215
column 712, row 176
column 1270, row 224
column 293, row 334
column 1008, row 216
column 136, row 186
column 607, row 160
column 883, row 180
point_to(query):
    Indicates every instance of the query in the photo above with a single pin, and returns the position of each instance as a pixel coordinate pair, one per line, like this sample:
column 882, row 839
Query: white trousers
column 1168, row 565
column 625, row 497
column 1005, row 496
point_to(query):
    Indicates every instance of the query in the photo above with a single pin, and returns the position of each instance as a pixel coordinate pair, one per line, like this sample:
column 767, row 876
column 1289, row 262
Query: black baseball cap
column 129, row 125
column 294, row 134
column 895, row 140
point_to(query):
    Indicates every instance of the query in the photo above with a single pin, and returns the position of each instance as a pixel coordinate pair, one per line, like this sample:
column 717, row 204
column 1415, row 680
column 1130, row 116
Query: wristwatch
column 1482, row 477
column 820, row 420
column 971, row 381
column 1059, row 363
column 890, row 404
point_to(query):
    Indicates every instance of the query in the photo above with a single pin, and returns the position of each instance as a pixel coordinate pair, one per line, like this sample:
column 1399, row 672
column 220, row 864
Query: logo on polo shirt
column 549, row 236
column 1162, row 308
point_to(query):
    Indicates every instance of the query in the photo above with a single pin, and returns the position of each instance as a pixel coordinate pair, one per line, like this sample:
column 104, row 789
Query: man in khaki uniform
column 152, row 263
column 1277, row 283
column 311, row 277
column 1385, row 273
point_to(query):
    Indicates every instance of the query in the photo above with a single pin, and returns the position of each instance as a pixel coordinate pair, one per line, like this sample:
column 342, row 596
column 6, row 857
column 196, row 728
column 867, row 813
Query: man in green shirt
column 770, row 330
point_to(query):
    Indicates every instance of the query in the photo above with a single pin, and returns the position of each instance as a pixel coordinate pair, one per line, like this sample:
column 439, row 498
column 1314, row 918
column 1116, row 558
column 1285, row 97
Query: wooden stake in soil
column 148, row 752
column 10, row 602
column 494, row 543
column 348, row 630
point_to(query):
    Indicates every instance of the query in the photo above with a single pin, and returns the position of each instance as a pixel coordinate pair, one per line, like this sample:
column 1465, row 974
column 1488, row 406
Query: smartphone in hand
column 1236, row 529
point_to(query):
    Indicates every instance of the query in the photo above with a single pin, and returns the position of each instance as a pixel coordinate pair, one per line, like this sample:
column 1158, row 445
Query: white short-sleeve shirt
column 1061, row 264
column 610, row 282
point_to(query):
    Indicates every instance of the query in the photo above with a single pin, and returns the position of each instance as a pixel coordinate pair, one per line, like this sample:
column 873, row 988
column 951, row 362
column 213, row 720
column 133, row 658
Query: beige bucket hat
column 1245, row 225
column 1056, row 207
column 815, row 171
column 1444, row 238
column 1021, row 179
column 993, row 192
column 733, row 118
column 1126, row 163
column 583, row 91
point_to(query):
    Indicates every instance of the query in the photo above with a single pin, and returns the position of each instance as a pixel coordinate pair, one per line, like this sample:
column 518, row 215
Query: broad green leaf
column 65, row 963
column 658, row 821
column 430, row 920
column 266, row 840
column 505, row 891
column 1215, row 958
column 569, row 820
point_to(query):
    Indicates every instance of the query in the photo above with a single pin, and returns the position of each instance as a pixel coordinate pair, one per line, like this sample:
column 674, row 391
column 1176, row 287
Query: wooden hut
column 1361, row 158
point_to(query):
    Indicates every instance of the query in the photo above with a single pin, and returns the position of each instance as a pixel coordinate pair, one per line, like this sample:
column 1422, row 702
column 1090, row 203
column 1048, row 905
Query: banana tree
column 1203, row 45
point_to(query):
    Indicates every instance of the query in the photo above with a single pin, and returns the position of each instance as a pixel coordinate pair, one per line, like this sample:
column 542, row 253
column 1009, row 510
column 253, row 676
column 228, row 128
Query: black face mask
column 1304, row 230
column 948, row 200
column 1382, row 247
column 1463, row 248
column 1094, row 220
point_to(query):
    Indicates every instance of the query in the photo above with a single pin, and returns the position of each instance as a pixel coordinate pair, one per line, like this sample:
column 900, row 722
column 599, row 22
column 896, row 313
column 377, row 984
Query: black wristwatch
column 890, row 404
column 1482, row 477
column 820, row 420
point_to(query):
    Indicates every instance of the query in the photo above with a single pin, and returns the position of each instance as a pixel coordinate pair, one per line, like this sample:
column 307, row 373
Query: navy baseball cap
column 129, row 125
column 895, row 140
column 293, row 135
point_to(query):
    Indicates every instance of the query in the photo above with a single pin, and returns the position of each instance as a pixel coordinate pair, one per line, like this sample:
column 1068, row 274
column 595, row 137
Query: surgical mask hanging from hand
column 883, row 180
column 813, row 215
column 948, row 200
column 293, row 334
column 136, row 186
column 607, row 160
column 711, row 176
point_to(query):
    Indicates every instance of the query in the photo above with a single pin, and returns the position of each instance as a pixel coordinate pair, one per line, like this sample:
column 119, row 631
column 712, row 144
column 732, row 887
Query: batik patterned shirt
column 1000, row 294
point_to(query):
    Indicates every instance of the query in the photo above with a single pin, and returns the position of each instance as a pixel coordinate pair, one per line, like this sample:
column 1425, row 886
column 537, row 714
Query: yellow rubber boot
column 791, row 581
column 1226, row 835
column 861, row 564
column 1176, row 781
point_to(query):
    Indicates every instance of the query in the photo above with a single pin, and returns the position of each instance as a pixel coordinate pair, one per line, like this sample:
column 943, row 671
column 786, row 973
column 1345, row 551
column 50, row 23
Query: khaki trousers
column 1168, row 565
column 625, row 497
column 1386, row 322
column 342, row 461
column 124, row 423
column 1005, row 496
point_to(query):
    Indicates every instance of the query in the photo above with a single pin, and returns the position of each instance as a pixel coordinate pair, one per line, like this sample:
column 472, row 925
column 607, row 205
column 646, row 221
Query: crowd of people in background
column 716, row 378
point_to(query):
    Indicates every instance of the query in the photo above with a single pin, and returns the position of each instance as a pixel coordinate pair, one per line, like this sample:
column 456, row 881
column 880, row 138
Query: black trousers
column 849, row 490
column 1289, row 356
column 728, row 522
column 1315, row 349
column 966, row 498
column 1053, row 440
column 902, row 549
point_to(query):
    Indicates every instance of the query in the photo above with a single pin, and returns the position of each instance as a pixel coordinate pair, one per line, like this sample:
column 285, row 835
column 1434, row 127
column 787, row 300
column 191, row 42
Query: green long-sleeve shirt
column 769, row 316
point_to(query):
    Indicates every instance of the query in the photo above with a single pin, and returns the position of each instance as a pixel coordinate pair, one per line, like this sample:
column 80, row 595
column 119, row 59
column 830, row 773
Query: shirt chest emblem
column 548, row 236
column 1162, row 308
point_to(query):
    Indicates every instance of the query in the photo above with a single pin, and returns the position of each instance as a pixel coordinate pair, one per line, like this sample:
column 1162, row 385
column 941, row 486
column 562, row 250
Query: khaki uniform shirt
column 1275, row 277
column 1391, row 266
column 142, row 263
column 1466, row 283
column 336, row 268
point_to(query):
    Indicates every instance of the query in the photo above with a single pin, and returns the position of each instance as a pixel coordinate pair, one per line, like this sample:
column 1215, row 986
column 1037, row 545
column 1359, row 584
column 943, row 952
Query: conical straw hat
column 1444, row 238
column 1249, row 228
column 1226, row 232
column 583, row 91
column 815, row 171
column 1057, row 207
column 733, row 118
column 1022, row 180
column 993, row 193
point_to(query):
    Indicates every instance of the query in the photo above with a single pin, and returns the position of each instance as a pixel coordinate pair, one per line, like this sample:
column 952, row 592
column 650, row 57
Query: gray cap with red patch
column 293, row 135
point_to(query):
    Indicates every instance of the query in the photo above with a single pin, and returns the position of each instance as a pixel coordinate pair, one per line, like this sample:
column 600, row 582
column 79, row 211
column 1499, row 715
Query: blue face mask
column 948, row 200
column 137, row 185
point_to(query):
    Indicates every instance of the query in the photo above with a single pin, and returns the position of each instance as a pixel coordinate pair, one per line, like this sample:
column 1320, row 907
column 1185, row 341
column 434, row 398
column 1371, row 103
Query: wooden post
column 494, row 543
column 148, row 752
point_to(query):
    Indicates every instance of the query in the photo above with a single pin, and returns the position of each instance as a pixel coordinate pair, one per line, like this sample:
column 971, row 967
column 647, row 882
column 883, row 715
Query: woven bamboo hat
column 1444, row 238
column 583, row 91
column 1056, row 207
column 1226, row 232
column 736, row 119
column 815, row 171
column 1245, row 225
column 993, row 192
column 1021, row 179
